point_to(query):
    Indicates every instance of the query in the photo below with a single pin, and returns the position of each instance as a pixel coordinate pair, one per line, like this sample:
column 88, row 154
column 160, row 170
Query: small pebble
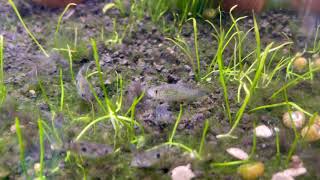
column 300, row 63
column 238, row 153
column 182, row 173
column 13, row 128
column 251, row 170
column 296, row 117
column 263, row 131
column 281, row 176
column 32, row 92
column 294, row 172
column 312, row 133
column 37, row 167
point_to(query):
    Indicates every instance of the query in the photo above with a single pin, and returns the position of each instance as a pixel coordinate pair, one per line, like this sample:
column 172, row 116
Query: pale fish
column 89, row 149
column 82, row 83
column 175, row 93
column 155, row 156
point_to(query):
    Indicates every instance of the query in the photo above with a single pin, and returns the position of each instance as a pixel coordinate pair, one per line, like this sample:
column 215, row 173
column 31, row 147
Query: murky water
column 141, row 91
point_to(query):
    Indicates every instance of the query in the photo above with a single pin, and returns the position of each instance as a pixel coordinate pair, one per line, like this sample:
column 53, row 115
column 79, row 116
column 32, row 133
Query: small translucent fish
column 175, row 93
column 82, row 83
column 155, row 156
column 89, row 149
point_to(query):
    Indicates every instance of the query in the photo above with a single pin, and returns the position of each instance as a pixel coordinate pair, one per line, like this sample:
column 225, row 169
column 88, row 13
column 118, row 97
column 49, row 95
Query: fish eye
column 158, row 155
column 84, row 149
column 156, row 91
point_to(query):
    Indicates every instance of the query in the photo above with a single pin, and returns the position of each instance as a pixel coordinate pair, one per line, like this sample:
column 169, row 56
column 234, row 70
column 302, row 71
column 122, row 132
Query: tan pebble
column 297, row 117
column 311, row 133
column 209, row 13
column 300, row 63
column 316, row 63
column 251, row 170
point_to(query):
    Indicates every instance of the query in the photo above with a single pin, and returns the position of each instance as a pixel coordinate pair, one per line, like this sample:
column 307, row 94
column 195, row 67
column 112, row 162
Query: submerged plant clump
column 165, row 89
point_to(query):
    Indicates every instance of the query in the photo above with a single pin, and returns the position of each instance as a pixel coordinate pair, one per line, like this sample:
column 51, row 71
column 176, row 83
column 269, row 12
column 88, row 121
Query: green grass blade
column 91, row 124
column 3, row 89
column 282, row 104
column 195, row 31
column 26, row 28
column 222, row 76
column 204, row 133
column 21, row 147
column 249, row 93
column 96, row 58
column 70, row 64
column 175, row 125
column 62, row 91
column 60, row 19
column 42, row 152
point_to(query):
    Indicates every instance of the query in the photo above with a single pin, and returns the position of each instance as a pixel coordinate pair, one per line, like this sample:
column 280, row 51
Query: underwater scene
column 160, row 89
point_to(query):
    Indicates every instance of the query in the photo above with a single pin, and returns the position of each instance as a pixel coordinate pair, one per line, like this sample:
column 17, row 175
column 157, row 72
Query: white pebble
column 238, row 153
column 32, row 92
column 294, row 172
column 182, row 173
column 36, row 167
column 263, row 131
column 281, row 176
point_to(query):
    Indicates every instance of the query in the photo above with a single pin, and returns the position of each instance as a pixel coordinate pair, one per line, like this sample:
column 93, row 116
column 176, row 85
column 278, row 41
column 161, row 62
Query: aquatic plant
column 42, row 152
column 277, row 141
column 203, row 137
column 289, row 106
column 175, row 125
column 316, row 42
column 185, row 147
column 3, row 89
column 294, row 81
column 60, row 19
column 27, row 29
column 70, row 63
column 239, row 162
column 70, row 46
column 62, row 90
column 111, row 110
column 115, row 37
column 157, row 9
column 123, row 6
column 261, row 58
column 193, row 8
column 21, row 147
column 286, row 103
column 182, row 44
column 224, row 38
